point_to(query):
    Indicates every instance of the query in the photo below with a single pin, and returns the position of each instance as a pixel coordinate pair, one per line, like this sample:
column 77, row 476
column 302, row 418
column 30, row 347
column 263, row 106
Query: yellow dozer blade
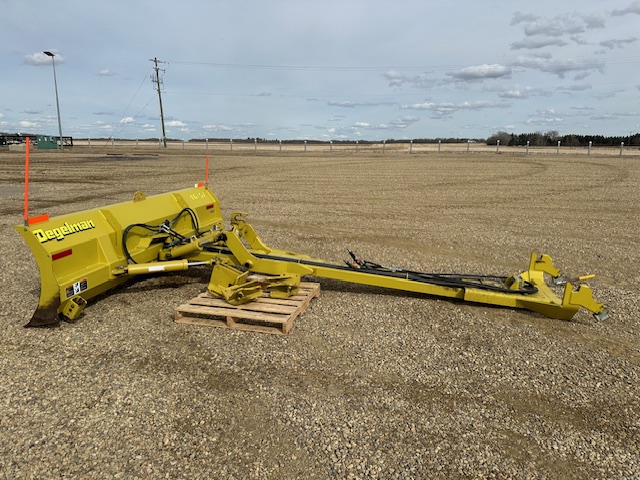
column 81, row 255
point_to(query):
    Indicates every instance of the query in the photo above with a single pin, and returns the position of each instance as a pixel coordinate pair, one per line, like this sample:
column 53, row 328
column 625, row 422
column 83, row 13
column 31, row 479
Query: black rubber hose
column 125, row 234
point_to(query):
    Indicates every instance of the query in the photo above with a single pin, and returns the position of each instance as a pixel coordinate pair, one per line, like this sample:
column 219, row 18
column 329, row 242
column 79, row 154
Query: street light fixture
column 55, row 84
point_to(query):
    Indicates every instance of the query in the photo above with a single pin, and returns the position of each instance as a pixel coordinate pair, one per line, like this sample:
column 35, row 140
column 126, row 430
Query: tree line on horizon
column 552, row 137
column 535, row 139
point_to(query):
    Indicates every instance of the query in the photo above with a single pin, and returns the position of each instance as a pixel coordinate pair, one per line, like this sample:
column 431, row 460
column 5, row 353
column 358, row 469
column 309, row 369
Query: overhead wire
column 530, row 63
column 632, row 59
column 124, row 125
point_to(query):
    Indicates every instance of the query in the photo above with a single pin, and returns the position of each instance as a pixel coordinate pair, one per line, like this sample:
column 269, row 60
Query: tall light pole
column 55, row 84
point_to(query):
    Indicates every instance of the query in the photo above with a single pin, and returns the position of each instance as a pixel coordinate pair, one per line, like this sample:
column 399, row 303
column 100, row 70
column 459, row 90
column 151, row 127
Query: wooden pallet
column 265, row 314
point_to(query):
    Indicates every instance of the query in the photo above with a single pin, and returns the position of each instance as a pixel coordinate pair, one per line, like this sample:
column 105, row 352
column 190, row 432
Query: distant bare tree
column 503, row 136
column 552, row 136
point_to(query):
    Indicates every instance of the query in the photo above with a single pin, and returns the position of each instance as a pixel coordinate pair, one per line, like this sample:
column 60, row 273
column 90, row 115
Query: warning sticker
column 77, row 288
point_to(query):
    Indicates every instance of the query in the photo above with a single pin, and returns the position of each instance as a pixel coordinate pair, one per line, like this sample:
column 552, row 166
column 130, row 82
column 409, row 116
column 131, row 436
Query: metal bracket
column 231, row 284
column 278, row 286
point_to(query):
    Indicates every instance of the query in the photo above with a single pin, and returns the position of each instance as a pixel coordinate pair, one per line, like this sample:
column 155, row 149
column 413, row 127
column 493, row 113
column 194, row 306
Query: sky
column 321, row 70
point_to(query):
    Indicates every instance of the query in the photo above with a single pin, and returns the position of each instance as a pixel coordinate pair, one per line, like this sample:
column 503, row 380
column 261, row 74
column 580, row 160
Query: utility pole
column 155, row 78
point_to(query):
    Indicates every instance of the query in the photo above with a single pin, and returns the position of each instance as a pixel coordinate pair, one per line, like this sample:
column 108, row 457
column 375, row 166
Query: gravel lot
column 370, row 383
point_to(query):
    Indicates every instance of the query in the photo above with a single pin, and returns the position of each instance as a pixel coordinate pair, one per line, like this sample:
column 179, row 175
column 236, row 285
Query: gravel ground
column 370, row 383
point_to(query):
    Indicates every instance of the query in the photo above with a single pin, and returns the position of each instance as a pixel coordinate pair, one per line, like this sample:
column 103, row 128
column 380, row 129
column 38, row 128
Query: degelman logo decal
column 59, row 233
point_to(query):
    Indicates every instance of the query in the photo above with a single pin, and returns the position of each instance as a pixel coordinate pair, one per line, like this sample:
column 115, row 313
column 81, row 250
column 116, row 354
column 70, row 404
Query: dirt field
column 370, row 383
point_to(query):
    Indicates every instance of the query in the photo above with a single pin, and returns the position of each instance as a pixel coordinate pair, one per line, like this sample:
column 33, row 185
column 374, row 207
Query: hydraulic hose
column 453, row 280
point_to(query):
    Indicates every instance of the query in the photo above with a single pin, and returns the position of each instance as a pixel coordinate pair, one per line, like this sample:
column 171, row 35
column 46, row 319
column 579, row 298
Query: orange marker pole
column 206, row 172
column 26, row 185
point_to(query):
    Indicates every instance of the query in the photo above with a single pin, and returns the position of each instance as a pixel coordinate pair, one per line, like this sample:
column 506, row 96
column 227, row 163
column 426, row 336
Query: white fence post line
column 411, row 146
column 280, row 145
column 207, row 144
column 558, row 149
column 305, row 145
column 89, row 140
column 356, row 146
column 231, row 144
column 497, row 146
column 330, row 145
column 590, row 144
column 439, row 144
column 468, row 145
column 136, row 143
column 527, row 149
column 255, row 144
column 384, row 144
column 183, row 143
column 621, row 146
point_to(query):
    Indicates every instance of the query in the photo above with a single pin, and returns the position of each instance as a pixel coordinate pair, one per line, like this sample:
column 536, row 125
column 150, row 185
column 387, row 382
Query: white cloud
column 405, row 121
column 537, row 42
column 582, row 68
column 519, row 17
column 481, row 72
column 632, row 8
column 217, row 128
column 27, row 124
column 583, row 108
column 352, row 104
column 396, row 124
column 397, row 79
column 545, row 117
column 523, row 92
column 543, row 32
column 446, row 109
column 394, row 78
column 345, row 104
column 175, row 123
column 40, row 58
column 575, row 88
column 567, row 24
column 621, row 43
column 127, row 120
column 106, row 73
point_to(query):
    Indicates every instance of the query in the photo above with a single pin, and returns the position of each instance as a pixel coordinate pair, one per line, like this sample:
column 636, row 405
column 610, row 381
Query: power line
column 429, row 92
column 309, row 95
column 529, row 61
column 295, row 67
column 144, row 78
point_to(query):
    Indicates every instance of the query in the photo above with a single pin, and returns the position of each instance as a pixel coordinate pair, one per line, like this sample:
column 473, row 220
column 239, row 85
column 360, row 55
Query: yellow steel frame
column 544, row 301
column 84, row 254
